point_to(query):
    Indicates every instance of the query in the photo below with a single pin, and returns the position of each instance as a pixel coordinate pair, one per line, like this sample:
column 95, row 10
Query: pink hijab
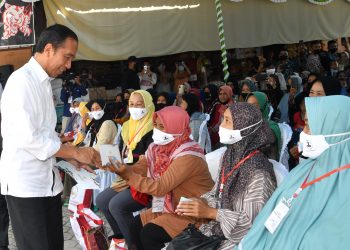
column 159, row 158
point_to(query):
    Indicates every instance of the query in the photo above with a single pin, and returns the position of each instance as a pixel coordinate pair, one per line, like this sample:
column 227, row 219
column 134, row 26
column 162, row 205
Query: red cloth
column 141, row 198
column 298, row 122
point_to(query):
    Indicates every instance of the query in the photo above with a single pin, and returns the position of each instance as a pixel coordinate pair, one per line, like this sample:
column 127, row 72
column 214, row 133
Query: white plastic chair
column 286, row 135
column 118, row 136
column 204, row 138
column 280, row 171
column 213, row 160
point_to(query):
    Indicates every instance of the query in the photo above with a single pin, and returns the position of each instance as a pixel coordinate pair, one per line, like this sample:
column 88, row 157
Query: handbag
column 88, row 229
column 193, row 239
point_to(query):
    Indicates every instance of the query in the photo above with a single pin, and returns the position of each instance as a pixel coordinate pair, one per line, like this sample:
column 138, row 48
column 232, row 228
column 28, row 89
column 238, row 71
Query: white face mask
column 97, row 115
column 162, row 138
column 181, row 68
column 270, row 71
column 76, row 110
column 137, row 113
column 231, row 136
column 71, row 110
column 313, row 146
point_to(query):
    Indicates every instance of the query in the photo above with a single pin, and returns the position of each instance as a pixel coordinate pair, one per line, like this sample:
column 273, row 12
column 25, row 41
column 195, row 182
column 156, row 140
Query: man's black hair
column 56, row 35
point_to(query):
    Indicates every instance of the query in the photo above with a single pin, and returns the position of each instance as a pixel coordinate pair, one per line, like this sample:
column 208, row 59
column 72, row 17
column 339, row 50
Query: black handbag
column 193, row 239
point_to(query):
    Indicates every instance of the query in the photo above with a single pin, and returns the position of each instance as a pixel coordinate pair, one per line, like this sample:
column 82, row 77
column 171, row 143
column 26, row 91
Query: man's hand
column 88, row 156
column 294, row 152
column 196, row 208
column 78, row 166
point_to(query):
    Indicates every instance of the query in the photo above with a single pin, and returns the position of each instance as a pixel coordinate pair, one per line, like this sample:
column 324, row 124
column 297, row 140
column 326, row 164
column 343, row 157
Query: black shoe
column 114, row 236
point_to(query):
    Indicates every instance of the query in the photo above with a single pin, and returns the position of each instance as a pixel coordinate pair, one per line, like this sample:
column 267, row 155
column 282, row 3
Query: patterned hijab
column 245, row 115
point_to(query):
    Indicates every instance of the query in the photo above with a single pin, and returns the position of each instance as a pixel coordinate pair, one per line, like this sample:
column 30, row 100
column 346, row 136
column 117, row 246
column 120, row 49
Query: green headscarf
column 319, row 217
column 265, row 110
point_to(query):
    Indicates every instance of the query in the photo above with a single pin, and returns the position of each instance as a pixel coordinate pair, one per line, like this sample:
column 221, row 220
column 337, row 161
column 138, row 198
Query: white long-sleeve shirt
column 29, row 137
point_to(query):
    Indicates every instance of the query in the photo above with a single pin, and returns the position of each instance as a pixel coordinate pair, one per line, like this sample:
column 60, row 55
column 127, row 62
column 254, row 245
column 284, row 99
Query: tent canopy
column 114, row 30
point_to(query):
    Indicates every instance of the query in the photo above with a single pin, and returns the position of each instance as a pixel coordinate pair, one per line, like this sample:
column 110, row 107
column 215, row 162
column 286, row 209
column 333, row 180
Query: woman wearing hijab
column 282, row 81
column 174, row 166
column 116, row 202
column 101, row 129
column 317, row 211
column 211, row 94
column 191, row 104
column 245, row 181
column 163, row 100
column 246, row 87
column 287, row 103
column 83, row 112
column 260, row 100
column 274, row 91
column 225, row 99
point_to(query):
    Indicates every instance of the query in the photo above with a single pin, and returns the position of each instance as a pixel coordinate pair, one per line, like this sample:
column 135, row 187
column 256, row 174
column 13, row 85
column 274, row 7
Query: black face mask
column 160, row 106
column 333, row 50
column 283, row 58
column 317, row 51
column 244, row 96
column 207, row 96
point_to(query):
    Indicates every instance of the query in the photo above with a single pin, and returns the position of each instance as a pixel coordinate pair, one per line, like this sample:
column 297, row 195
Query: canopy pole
column 220, row 21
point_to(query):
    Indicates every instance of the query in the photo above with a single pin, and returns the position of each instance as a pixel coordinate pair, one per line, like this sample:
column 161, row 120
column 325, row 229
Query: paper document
column 109, row 150
column 85, row 179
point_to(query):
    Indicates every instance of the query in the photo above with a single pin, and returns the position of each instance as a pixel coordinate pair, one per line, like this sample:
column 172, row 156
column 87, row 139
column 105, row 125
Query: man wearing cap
column 130, row 79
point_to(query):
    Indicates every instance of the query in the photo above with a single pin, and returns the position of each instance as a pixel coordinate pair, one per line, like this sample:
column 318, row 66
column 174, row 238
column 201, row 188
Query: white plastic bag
column 79, row 196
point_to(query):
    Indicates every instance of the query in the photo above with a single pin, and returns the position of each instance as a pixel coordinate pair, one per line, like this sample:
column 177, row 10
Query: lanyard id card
column 158, row 204
column 277, row 215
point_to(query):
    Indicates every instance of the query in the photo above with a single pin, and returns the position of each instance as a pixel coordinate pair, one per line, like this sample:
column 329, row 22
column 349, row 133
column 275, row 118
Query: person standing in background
column 147, row 78
column 71, row 89
column 130, row 79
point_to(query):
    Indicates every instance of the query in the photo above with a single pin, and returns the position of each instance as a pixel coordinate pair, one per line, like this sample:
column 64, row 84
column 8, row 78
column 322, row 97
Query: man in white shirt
column 28, row 178
column 4, row 215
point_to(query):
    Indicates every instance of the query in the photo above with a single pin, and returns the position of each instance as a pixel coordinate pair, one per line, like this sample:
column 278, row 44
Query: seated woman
column 324, row 87
column 163, row 101
column 174, row 167
column 191, row 104
column 318, row 213
column 101, row 129
column 216, row 114
column 246, row 178
column 246, row 87
column 287, row 103
column 259, row 99
column 115, row 203
column 120, row 109
column 73, row 123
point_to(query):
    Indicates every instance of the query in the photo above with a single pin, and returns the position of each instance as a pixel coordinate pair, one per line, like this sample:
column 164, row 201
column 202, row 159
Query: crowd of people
column 291, row 111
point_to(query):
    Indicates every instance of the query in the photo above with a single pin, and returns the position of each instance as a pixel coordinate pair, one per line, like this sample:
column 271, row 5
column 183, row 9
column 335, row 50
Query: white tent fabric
column 114, row 30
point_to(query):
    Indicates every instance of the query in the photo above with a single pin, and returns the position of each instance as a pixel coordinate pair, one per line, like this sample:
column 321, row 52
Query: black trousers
column 149, row 237
column 36, row 222
column 4, row 222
